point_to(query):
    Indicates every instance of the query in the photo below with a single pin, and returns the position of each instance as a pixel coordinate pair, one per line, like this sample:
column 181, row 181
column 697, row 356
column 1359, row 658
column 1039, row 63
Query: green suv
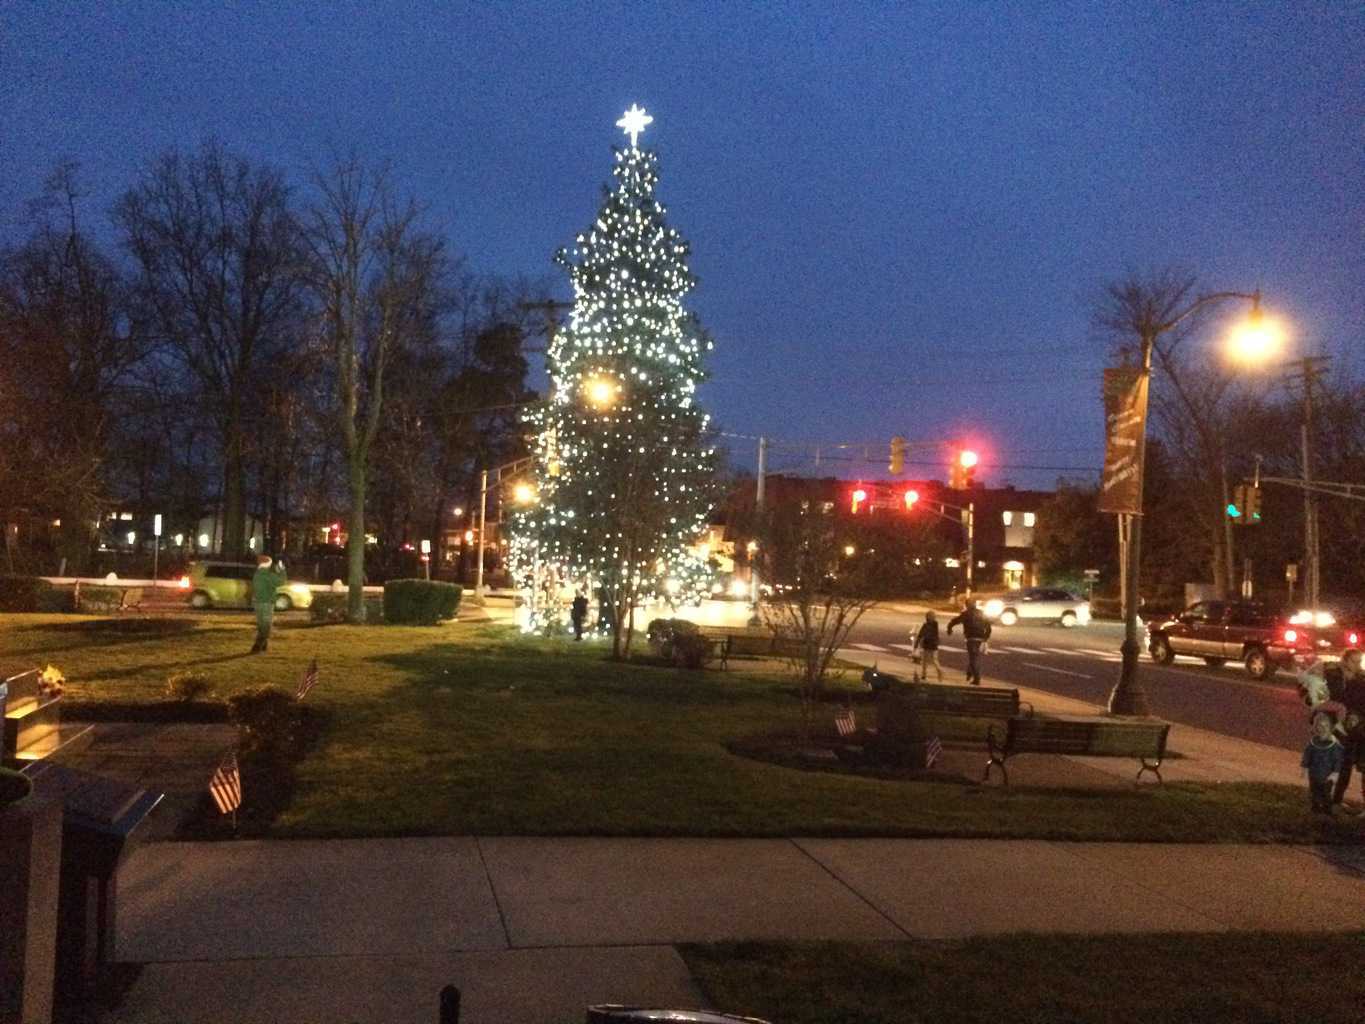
column 228, row 585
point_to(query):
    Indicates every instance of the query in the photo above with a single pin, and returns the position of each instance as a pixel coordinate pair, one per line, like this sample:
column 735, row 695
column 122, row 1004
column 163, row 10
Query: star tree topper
column 634, row 122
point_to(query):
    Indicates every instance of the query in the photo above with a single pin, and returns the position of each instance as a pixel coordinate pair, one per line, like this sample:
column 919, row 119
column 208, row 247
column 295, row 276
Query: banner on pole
column 1125, row 424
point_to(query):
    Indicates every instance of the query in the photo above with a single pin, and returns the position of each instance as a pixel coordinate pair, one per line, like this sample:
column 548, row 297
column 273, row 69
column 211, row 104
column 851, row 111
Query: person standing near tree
column 578, row 611
column 264, row 585
column 976, row 630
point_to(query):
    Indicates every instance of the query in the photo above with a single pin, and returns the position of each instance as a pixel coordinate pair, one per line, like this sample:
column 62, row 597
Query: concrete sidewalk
column 1203, row 756
column 534, row 929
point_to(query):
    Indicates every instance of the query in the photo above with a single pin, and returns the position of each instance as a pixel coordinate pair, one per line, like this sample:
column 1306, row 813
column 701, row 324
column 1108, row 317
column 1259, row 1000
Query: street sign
column 1291, row 572
column 156, row 525
column 426, row 547
column 1092, row 574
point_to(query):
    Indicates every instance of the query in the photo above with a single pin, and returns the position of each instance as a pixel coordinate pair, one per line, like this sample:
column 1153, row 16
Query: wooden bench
column 968, row 701
column 1079, row 736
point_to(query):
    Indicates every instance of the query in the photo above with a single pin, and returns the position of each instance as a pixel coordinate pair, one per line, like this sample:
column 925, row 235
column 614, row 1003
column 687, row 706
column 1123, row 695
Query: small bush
column 32, row 594
column 420, row 602
column 691, row 650
column 188, row 686
column 331, row 607
column 269, row 718
column 679, row 641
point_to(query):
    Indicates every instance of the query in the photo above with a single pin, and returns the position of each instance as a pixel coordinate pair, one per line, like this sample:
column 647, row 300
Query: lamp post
column 1128, row 697
column 515, row 466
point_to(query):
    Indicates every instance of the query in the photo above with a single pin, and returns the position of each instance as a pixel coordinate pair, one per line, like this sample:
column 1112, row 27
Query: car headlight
column 993, row 607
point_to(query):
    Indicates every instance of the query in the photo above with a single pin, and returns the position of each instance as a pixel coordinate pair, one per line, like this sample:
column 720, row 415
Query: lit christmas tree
column 624, row 472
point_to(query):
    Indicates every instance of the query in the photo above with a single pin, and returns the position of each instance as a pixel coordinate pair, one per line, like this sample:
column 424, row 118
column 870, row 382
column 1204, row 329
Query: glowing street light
column 599, row 391
column 967, row 459
column 523, row 494
column 1256, row 339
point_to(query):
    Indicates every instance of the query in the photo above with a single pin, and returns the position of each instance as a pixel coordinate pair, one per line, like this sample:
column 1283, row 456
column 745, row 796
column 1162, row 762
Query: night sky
column 899, row 215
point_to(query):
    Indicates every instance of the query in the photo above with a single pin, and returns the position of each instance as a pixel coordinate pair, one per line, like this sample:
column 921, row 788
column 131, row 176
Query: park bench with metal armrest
column 1079, row 736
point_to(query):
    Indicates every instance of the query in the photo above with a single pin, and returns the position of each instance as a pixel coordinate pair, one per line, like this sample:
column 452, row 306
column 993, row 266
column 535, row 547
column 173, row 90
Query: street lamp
column 1128, row 696
column 599, row 391
column 523, row 493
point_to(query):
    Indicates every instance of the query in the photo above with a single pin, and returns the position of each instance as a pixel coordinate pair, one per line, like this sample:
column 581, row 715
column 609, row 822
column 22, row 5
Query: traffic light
column 859, row 496
column 962, row 472
column 1237, row 507
column 911, row 497
column 897, row 456
column 1253, row 504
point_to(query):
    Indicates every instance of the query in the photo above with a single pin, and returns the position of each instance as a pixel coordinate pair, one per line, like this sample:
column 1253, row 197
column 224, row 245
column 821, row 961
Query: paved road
column 1083, row 663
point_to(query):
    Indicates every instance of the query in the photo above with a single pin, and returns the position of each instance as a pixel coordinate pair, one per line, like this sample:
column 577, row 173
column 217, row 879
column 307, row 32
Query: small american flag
column 226, row 785
column 309, row 679
column 932, row 751
column 845, row 722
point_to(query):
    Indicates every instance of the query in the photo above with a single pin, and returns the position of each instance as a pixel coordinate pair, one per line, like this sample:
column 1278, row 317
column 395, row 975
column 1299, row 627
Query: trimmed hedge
column 420, row 602
column 329, row 607
column 32, row 594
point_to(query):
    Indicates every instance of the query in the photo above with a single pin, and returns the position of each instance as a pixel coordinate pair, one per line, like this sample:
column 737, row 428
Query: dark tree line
column 253, row 350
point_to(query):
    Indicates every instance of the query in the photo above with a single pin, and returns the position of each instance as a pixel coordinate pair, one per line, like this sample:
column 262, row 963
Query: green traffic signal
column 1233, row 511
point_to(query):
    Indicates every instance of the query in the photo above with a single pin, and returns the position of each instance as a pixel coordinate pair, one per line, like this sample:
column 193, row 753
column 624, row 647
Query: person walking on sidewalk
column 976, row 630
column 264, row 584
column 926, row 645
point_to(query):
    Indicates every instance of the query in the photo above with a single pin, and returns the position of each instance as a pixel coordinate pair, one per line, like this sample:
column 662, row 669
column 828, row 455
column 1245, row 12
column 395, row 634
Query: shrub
column 679, row 641
column 420, row 602
column 691, row 650
column 32, row 594
column 269, row 719
column 331, row 607
column 188, row 686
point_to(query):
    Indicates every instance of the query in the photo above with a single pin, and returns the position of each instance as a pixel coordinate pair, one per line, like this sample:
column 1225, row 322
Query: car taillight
column 1291, row 635
column 183, row 583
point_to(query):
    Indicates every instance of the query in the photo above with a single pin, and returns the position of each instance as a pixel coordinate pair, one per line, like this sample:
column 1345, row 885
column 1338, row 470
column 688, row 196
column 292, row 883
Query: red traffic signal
column 911, row 497
column 859, row 496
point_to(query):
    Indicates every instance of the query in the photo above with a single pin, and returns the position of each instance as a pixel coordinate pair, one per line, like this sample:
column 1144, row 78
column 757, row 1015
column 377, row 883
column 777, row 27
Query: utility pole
column 971, row 545
column 1307, row 370
column 754, row 594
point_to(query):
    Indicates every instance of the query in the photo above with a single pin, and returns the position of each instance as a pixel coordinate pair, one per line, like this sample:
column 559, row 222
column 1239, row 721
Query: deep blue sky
column 899, row 214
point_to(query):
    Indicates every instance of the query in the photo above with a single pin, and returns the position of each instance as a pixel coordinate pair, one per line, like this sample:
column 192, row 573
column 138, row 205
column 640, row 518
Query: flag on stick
column 309, row 679
column 845, row 722
column 226, row 785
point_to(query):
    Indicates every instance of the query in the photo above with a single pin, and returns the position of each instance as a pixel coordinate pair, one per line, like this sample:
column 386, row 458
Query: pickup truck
column 1258, row 636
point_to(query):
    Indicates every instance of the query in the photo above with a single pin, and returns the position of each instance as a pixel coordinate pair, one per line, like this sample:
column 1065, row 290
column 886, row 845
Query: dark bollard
column 450, row 1005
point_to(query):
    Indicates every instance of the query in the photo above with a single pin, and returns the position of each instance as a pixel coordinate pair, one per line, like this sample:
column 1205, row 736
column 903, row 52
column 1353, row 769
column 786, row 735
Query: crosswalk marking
column 1098, row 654
column 1013, row 650
column 903, row 647
column 878, row 648
column 1060, row 650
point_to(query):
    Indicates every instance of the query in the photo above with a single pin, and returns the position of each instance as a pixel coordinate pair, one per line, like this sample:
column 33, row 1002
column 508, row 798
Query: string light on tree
column 624, row 471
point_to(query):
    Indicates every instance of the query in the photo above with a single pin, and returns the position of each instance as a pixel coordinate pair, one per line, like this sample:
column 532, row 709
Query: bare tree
column 217, row 246
column 66, row 343
column 811, row 558
column 376, row 280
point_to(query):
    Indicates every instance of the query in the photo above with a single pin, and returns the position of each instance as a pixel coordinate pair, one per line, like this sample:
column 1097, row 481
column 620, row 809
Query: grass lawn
column 470, row 728
column 1143, row 979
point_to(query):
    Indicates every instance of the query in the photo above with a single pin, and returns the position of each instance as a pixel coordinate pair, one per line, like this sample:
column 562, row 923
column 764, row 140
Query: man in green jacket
column 264, row 584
